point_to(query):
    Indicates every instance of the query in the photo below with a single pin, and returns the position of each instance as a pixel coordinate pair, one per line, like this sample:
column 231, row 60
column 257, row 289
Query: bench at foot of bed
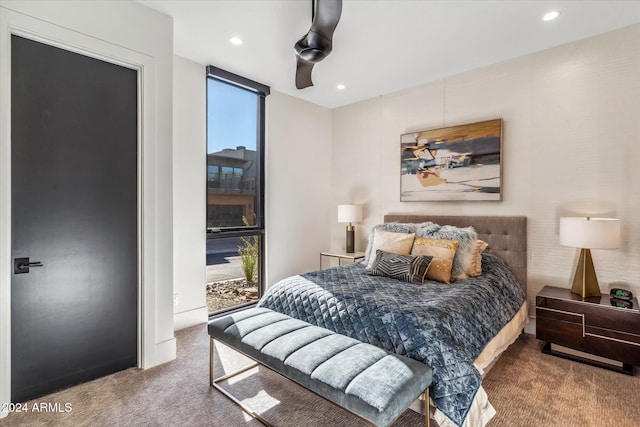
column 372, row 383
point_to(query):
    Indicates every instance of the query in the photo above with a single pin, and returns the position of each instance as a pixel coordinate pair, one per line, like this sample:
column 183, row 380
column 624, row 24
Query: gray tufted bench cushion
column 370, row 382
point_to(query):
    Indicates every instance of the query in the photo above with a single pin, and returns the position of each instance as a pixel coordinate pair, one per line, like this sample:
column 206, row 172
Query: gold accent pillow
column 388, row 241
column 475, row 267
column 442, row 252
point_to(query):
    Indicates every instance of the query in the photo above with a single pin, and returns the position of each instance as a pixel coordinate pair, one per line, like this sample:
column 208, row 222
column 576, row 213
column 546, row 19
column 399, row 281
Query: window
column 235, row 189
column 213, row 174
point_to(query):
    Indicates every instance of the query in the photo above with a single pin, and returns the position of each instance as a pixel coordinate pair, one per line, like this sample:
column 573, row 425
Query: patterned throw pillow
column 409, row 268
column 442, row 252
column 398, row 243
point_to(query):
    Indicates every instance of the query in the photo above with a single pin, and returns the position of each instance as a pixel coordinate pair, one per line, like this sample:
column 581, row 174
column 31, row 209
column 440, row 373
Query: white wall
column 298, row 188
column 189, row 190
column 138, row 36
column 571, row 146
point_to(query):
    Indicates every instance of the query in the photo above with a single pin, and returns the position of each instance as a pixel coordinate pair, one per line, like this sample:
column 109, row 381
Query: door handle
column 22, row 265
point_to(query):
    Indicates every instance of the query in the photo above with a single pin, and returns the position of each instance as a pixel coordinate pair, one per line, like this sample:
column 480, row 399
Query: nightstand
column 342, row 256
column 591, row 326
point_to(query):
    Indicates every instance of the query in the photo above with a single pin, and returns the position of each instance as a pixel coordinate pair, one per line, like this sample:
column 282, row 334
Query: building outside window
column 235, row 190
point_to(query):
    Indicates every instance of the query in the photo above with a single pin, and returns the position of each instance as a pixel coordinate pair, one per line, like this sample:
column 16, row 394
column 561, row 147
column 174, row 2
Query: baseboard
column 189, row 318
column 530, row 328
column 165, row 351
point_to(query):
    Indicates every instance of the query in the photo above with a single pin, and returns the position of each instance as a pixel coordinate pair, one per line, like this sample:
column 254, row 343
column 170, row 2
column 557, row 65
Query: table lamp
column 349, row 214
column 588, row 233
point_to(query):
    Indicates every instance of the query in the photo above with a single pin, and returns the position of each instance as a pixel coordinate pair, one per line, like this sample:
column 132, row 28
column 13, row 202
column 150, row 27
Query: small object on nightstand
column 619, row 293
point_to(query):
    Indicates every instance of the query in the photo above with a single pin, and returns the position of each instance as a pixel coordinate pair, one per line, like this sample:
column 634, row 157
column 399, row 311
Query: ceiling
column 380, row 46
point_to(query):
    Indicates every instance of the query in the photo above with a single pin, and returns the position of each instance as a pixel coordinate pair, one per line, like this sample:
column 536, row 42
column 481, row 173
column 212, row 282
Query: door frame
column 154, row 347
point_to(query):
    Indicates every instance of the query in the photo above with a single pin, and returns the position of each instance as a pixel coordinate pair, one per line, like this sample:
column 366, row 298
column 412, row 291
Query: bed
column 458, row 330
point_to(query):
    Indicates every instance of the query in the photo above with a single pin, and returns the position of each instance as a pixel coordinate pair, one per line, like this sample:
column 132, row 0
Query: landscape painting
column 453, row 163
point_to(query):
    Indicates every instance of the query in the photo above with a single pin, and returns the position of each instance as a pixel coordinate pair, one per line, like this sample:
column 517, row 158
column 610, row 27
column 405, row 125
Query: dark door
column 74, row 210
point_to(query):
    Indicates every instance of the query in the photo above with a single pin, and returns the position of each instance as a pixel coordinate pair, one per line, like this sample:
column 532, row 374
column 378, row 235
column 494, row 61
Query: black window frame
column 262, row 91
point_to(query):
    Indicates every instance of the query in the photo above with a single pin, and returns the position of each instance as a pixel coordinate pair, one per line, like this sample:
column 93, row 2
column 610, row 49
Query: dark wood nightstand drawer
column 554, row 304
column 601, row 345
column 619, row 319
column 556, row 314
column 568, row 334
column 613, row 335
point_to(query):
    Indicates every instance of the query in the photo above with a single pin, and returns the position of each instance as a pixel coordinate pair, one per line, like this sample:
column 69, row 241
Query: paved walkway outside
column 226, row 268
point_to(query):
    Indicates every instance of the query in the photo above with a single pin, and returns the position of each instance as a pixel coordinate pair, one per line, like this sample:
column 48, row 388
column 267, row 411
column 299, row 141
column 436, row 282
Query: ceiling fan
column 317, row 43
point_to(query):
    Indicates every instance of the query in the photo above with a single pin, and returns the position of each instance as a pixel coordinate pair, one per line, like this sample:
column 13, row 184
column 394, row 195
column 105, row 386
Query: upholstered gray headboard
column 506, row 236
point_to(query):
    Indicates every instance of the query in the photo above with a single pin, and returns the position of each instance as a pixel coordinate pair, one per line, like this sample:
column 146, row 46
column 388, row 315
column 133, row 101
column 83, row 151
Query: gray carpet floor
column 527, row 388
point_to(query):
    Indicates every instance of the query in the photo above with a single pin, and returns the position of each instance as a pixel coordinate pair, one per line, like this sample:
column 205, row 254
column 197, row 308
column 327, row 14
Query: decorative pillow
column 396, row 227
column 398, row 243
column 466, row 238
column 442, row 251
column 409, row 268
column 475, row 268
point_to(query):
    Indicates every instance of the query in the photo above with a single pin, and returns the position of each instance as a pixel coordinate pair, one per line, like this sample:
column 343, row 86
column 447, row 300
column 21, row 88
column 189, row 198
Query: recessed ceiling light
column 235, row 40
column 551, row 15
column 340, row 86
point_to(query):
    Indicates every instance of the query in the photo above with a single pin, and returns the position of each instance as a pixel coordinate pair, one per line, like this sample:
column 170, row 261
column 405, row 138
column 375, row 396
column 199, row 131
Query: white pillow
column 397, row 243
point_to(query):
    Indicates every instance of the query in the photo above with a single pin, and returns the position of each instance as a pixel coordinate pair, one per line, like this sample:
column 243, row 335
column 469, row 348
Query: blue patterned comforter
column 443, row 326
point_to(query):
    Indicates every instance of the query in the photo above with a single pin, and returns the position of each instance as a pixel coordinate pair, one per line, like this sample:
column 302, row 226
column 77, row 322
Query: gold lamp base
column 585, row 282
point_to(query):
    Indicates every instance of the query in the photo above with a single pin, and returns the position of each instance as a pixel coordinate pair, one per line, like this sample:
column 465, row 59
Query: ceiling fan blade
column 326, row 18
column 314, row 46
column 303, row 74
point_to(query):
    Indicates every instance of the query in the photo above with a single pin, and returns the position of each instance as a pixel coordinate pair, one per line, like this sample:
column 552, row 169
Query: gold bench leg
column 211, row 355
column 214, row 383
column 427, row 417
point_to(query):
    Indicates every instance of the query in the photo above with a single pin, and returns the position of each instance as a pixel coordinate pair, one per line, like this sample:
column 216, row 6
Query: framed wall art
column 453, row 163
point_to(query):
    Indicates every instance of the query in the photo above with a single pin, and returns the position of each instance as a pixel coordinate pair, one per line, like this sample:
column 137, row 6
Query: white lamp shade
column 349, row 213
column 590, row 233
